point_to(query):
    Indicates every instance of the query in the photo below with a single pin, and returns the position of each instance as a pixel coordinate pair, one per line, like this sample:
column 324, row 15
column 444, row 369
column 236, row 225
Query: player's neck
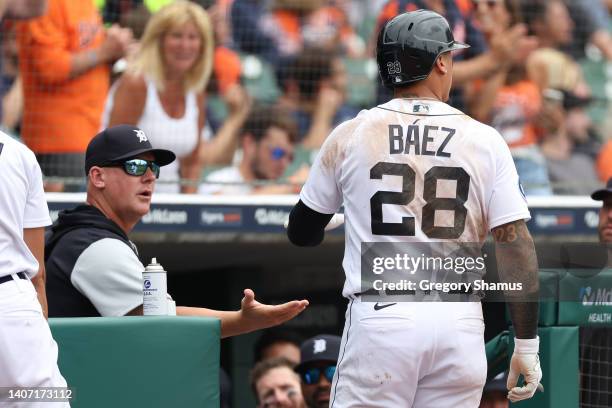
column 108, row 211
column 416, row 92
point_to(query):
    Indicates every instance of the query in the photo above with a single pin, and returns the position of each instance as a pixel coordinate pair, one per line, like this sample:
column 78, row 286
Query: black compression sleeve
column 306, row 226
column 524, row 317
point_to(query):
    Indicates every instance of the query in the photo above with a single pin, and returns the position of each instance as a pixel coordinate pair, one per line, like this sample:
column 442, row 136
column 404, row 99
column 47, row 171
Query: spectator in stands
column 267, row 140
column 604, row 161
column 565, row 124
column 590, row 17
column 113, row 10
column 275, row 384
column 226, row 76
column 314, row 24
column 314, row 90
column 64, row 60
column 605, row 213
column 226, row 71
column 317, row 367
column 250, row 24
column 11, row 90
column 163, row 93
column 278, row 342
column 83, row 280
column 549, row 66
column 508, row 100
column 473, row 63
column 361, row 14
column 226, row 68
column 292, row 26
column 20, row 9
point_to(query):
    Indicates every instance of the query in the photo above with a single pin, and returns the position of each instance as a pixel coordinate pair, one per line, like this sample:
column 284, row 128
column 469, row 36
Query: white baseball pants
column 28, row 353
column 411, row 355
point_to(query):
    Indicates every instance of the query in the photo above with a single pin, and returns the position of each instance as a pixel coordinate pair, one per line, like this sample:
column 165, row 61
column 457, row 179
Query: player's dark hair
column 264, row 117
column 274, row 336
column 262, row 369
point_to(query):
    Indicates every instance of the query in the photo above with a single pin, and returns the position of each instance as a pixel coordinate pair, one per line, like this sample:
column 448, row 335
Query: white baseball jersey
column 23, row 205
column 414, row 170
column 28, row 356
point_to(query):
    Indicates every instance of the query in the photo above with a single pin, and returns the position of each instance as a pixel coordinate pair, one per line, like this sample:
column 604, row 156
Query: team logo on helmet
column 394, row 67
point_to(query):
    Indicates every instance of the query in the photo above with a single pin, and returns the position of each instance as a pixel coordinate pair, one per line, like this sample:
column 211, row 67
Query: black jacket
column 73, row 232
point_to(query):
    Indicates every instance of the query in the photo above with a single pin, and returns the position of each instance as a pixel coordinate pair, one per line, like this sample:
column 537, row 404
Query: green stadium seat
column 140, row 361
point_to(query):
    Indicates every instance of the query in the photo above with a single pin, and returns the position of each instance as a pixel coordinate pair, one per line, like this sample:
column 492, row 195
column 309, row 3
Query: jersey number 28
column 434, row 203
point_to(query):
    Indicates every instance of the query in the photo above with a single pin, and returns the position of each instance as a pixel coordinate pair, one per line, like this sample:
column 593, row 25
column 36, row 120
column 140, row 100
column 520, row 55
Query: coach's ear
column 97, row 177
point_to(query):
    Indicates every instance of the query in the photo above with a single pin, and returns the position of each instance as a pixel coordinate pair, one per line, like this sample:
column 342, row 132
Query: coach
column 93, row 268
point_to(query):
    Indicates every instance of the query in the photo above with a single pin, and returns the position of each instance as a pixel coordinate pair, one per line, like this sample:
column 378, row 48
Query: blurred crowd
column 246, row 91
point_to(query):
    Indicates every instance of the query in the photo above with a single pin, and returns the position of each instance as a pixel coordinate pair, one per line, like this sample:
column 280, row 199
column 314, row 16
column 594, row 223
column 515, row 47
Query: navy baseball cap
column 603, row 193
column 119, row 143
column 324, row 347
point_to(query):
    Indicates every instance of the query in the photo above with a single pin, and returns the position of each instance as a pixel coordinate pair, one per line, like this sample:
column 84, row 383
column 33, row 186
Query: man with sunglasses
column 267, row 141
column 317, row 367
column 93, row 268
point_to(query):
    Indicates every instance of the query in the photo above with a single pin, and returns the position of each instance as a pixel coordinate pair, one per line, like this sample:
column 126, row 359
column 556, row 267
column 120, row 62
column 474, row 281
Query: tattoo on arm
column 517, row 263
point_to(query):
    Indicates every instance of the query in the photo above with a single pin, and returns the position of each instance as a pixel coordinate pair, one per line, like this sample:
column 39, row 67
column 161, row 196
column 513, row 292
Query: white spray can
column 154, row 290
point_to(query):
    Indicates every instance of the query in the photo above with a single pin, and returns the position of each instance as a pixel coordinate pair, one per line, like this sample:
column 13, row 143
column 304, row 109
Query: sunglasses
column 278, row 153
column 137, row 167
column 313, row 375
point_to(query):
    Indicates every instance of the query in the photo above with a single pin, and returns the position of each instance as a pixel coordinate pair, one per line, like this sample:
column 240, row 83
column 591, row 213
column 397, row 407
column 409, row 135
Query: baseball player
column 28, row 353
column 416, row 170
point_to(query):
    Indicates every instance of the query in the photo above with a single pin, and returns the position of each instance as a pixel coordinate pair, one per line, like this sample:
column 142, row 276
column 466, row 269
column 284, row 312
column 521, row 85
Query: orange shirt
column 604, row 162
column 513, row 111
column 61, row 114
column 292, row 26
column 227, row 68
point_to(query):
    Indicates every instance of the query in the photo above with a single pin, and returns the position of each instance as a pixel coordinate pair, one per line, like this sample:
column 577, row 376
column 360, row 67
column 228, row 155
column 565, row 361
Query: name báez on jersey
column 418, row 140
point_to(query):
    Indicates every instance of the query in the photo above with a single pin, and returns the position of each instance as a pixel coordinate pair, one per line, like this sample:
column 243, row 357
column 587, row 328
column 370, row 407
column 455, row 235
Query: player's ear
column 442, row 63
column 97, row 177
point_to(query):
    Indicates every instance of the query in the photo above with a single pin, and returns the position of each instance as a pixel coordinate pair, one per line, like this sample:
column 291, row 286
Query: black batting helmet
column 409, row 44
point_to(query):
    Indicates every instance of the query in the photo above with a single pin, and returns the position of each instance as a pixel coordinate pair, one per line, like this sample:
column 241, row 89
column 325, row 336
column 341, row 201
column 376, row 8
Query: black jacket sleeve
column 306, row 226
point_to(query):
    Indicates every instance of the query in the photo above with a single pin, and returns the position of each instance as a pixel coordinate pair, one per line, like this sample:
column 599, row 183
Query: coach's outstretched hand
column 251, row 316
column 255, row 315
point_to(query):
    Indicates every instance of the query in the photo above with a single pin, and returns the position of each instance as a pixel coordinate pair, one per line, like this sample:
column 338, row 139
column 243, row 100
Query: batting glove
column 524, row 361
